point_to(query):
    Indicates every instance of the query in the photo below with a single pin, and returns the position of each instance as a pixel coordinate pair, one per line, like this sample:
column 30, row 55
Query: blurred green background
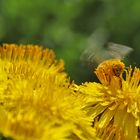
column 65, row 26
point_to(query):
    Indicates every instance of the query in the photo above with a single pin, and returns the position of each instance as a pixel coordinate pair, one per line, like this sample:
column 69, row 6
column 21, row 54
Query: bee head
column 117, row 69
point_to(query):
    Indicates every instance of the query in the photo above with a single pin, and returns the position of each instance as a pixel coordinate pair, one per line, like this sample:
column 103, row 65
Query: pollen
column 110, row 72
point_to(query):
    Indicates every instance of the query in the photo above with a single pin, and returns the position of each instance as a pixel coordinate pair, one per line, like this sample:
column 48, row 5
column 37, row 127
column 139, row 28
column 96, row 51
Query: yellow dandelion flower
column 115, row 103
column 36, row 102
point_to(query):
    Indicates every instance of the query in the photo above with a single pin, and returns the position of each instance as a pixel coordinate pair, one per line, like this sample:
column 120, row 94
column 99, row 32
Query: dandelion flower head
column 36, row 102
column 114, row 103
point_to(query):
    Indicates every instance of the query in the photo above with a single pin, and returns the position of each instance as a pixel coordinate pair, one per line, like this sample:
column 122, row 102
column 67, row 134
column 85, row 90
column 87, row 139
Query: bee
column 110, row 71
column 106, row 56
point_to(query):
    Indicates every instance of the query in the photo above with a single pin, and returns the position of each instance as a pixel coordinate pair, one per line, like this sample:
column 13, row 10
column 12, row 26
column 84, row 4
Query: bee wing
column 93, row 56
column 118, row 51
column 98, row 38
column 95, row 52
column 98, row 50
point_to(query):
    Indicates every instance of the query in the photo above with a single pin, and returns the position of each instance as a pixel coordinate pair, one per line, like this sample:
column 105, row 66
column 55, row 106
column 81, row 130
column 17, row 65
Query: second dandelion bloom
column 36, row 102
column 115, row 103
